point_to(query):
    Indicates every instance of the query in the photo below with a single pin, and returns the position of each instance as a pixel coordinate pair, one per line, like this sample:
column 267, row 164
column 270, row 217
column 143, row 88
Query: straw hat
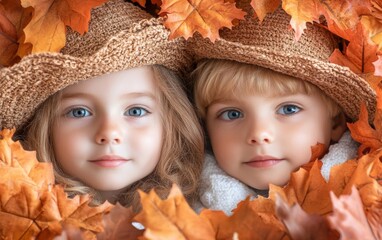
column 121, row 36
column 271, row 44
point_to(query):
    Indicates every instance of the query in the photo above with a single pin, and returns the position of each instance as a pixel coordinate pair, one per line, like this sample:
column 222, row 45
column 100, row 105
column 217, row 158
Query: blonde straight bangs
column 217, row 79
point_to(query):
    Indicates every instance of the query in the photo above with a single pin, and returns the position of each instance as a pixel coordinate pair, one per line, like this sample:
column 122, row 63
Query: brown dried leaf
column 165, row 219
column 118, row 224
column 13, row 18
column 185, row 17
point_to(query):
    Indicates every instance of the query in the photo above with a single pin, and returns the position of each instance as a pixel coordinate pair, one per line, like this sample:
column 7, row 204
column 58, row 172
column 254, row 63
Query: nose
column 260, row 133
column 108, row 132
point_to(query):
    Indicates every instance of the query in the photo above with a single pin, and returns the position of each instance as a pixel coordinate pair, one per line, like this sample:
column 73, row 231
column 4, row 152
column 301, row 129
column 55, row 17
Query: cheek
column 67, row 144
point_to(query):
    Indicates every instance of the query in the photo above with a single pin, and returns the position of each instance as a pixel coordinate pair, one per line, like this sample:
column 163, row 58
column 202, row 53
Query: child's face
column 260, row 140
column 109, row 131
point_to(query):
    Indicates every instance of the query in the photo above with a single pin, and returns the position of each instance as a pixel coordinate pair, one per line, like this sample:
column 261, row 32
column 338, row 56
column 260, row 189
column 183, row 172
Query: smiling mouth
column 263, row 162
column 109, row 161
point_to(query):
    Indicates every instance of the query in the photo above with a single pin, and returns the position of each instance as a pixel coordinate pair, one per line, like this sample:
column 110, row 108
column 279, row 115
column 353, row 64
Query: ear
column 338, row 127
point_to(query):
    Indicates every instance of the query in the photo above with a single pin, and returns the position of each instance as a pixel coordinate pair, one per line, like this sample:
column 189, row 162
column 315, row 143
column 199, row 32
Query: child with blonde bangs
column 109, row 111
column 265, row 101
column 238, row 132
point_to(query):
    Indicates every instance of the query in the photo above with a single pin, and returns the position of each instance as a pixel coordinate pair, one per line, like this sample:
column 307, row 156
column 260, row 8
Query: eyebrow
column 127, row 95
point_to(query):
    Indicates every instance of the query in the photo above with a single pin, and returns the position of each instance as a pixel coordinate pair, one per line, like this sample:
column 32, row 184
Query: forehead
column 126, row 81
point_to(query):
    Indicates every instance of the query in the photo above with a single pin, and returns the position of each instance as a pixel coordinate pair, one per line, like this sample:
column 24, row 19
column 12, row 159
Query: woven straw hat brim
column 29, row 83
column 339, row 83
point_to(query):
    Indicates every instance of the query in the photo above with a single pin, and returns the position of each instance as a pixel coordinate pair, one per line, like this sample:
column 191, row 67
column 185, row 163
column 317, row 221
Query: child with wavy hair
column 266, row 100
column 109, row 111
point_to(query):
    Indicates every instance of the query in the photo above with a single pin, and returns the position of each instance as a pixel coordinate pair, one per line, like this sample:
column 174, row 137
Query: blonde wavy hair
column 217, row 79
column 182, row 152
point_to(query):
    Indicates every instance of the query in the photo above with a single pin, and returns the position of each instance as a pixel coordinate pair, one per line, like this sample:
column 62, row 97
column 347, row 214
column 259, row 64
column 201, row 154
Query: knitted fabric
column 271, row 44
column 219, row 191
column 121, row 36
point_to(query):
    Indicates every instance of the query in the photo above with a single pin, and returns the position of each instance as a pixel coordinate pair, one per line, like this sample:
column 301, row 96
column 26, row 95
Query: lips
column 109, row 161
column 263, row 161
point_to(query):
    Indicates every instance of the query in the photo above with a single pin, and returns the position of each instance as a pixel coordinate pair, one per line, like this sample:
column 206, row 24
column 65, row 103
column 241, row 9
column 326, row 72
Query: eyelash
column 137, row 108
column 225, row 114
column 296, row 110
column 71, row 112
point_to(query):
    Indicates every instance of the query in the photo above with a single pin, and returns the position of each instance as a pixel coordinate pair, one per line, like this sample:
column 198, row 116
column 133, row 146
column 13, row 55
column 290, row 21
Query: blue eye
column 288, row 109
column 136, row 112
column 78, row 113
column 231, row 115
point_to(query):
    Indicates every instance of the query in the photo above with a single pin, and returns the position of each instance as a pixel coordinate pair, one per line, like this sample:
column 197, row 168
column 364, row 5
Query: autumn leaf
column 364, row 174
column 254, row 219
column 118, row 224
column 13, row 18
column 374, row 81
column 70, row 232
column 349, row 218
column 140, row 2
column 360, row 53
column 263, row 7
column 31, row 205
column 345, row 13
column 301, row 225
column 306, row 188
column 309, row 11
column 165, row 219
column 14, row 160
column 318, row 151
column 185, row 17
column 47, row 29
column 361, row 131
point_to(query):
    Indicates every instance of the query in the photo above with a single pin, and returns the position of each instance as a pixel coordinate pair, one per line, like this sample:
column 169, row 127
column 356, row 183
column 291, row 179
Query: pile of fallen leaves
column 349, row 205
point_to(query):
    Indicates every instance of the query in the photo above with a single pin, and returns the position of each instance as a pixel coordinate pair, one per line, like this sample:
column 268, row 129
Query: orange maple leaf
column 302, row 13
column 13, row 18
column 47, row 28
column 360, row 53
column 31, row 206
column 118, row 224
column 364, row 174
column 185, row 17
column 361, row 131
column 345, row 13
column 165, row 219
column 254, row 219
column 263, row 7
column 306, row 188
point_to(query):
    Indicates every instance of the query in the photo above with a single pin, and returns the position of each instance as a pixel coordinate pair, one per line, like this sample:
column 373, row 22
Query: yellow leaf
column 185, row 17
